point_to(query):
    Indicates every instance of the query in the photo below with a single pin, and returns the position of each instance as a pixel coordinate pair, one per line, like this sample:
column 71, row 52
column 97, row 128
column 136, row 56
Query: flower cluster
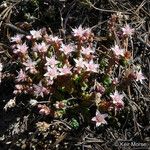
column 59, row 71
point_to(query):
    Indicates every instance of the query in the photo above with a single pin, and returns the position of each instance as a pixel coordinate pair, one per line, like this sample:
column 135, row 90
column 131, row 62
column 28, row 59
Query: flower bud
column 33, row 102
column 132, row 76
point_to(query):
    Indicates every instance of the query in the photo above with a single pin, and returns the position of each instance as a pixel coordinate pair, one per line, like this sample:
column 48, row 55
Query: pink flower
column 127, row 30
column 30, row 65
column 36, row 34
column 81, row 32
column 52, row 62
column 21, row 76
column 78, row 32
column 65, row 70
column 80, row 63
column 100, row 118
column 51, row 73
column 17, row 38
column 139, row 76
column 42, row 48
column 39, row 90
column 118, row 51
column 67, row 49
column 117, row 100
column 21, row 48
column 87, row 51
column 91, row 66
column 53, row 39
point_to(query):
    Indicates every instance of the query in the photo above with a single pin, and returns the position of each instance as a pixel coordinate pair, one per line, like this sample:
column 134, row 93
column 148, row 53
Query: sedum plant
column 61, row 75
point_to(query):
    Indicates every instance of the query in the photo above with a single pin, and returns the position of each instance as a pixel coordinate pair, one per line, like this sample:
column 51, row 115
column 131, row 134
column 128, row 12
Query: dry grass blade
column 5, row 14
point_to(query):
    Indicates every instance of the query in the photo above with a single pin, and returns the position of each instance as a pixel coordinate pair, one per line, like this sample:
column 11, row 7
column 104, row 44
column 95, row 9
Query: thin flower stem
column 43, row 102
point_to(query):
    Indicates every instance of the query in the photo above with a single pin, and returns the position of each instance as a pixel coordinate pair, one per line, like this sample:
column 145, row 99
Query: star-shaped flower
column 30, row 65
column 42, row 47
column 36, row 34
column 80, row 63
column 100, row 118
column 17, row 38
column 52, row 62
column 118, row 51
column 21, row 48
column 117, row 100
column 39, row 90
column 78, row 32
column 54, row 39
column 65, row 70
column 21, row 76
column 67, row 49
column 139, row 76
column 87, row 51
column 51, row 73
column 91, row 66
column 81, row 32
column 127, row 30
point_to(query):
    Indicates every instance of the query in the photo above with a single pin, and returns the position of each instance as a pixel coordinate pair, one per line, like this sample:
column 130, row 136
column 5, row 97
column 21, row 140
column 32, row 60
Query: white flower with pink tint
column 36, row 34
column 54, row 39
column 80, row 63
column 127, row 30
column 21, row 48
column 67, row 49
column 52, row 62
column 39, row 90
column 51, row 73
column 65, row 70
column 78, row 32
column 21, row 76
column 42, row 47
column 118, row 51
column 17, row 38
column 91, row 66
column 87, row 51
column 139, row 76
column 81, row 32
column 100, row 118
column 117, row 100
column 30, row 65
